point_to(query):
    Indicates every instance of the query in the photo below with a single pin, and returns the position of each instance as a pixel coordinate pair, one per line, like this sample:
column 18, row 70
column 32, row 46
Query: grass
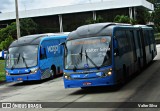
column 157, row 36
column 2, row 71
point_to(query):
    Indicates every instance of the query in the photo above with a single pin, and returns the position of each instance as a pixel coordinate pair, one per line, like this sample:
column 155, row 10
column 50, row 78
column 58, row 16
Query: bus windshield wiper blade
column 65, row 46
column 12, row 67
column 24, row 60
column 91, row 60
column 75, row 68
column 18, row 58
column 16, row 62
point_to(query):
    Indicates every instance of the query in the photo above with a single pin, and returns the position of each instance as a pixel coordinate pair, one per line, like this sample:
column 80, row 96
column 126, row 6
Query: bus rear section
column 103, row 54
column 34, row 57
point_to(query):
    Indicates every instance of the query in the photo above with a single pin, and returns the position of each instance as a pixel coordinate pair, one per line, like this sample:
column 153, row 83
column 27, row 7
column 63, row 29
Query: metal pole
column 135, row 14
column 94, row 15
column 130, row 13
column 60, row 23
column 17, row 20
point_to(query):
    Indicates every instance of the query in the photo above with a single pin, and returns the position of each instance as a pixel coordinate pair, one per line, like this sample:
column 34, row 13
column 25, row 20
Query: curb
column 2, row 82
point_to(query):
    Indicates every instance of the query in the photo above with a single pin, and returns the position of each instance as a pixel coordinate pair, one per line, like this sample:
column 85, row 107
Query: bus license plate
column 87, row 83
column 19, row 79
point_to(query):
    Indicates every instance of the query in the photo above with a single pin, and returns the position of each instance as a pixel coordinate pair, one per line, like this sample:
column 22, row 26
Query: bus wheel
column 139, row 65
column 152, row 55
column 51, row 74
column 53, row 69
column 124, row 74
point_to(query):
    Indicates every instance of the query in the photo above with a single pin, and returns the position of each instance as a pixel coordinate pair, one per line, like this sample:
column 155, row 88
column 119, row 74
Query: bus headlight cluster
column 34, row 70
column 108, row 72
column 66, row 76
column 7, row 73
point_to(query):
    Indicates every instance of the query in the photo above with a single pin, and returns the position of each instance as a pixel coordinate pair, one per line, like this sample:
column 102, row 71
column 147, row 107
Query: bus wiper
column 16, row 62
column 87, row 57
column 24, row 60
column 65, row 46
column 75, row 68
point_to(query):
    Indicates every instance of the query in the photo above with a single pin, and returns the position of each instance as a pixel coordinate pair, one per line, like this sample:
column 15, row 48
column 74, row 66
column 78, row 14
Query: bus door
column 143, row 46
column 43, row 62
column 133, row 46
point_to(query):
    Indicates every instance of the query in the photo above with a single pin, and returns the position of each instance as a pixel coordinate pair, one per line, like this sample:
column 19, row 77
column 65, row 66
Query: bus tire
column 124, row 74
column 53, row 68
column 139, row 64
column 152, row 55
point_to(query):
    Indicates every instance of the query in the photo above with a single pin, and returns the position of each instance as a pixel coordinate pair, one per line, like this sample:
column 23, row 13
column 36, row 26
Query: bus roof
column 35, row 39
column 93, row 30
column 143, row 26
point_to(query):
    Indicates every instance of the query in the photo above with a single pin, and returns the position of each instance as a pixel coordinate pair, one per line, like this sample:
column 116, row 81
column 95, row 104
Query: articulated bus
column 106, row 54
column 35, row 57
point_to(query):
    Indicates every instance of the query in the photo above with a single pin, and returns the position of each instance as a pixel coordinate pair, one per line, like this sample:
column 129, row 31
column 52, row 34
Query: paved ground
column 143, row 88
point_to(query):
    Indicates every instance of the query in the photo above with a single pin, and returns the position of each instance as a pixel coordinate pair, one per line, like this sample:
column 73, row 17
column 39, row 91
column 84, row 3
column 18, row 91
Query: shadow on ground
column 105, row 89
column 26, row 83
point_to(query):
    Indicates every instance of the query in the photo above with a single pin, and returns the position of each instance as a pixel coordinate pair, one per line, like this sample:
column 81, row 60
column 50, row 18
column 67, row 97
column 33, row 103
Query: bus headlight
column 108, row 72
column 34, row 70
column 66, row 76
column 7, row 73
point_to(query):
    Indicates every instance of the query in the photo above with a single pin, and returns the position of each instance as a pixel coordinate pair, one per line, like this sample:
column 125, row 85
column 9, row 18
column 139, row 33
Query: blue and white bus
column 106, row 54
column 35, row 57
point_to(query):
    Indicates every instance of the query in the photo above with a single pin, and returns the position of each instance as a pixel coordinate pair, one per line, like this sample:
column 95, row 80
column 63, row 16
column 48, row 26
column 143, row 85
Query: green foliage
column 156, row 18
column 28, row 26
column 10, row 30
column 8, row 34
column 91, row 21
column 155, row 15
column 157, row 36
column 124, row 19
column 5, row 44
column 2, row 71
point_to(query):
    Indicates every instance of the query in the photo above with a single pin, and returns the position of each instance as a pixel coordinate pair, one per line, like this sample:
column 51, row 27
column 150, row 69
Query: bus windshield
column 93, row 52
column 22, row 56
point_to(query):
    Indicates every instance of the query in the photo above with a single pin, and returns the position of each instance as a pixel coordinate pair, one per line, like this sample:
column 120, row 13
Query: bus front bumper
column 105, row 81
column 26, row 77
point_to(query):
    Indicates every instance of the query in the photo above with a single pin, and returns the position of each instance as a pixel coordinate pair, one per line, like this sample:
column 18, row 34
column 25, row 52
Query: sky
column 9, row 5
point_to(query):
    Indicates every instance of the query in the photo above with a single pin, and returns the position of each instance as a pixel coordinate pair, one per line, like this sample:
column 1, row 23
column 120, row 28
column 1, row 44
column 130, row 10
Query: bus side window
column 43, row 53
column 115, row 45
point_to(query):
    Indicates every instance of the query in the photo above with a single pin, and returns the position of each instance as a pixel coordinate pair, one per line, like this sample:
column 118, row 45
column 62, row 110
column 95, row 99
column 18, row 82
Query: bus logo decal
column 86, row 66
column 53, row 49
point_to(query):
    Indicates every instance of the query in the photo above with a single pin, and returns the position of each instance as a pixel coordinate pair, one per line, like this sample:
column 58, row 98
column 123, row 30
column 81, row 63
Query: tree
column 5, row 44
column 8, row 34
column 155, row 15
column 124, row 19
column 28, row 27
column 156, row 18
column 91, row 21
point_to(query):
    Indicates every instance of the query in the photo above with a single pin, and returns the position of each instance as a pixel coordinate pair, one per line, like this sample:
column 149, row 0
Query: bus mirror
column 63, row 43
column 3, row 54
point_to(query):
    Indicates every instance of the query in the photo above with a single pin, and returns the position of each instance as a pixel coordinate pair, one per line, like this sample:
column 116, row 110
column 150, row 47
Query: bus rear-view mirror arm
column 63, row 43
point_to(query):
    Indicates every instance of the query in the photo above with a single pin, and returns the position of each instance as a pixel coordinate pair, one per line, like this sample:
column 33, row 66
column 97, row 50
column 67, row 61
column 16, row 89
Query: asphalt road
column 144, row 87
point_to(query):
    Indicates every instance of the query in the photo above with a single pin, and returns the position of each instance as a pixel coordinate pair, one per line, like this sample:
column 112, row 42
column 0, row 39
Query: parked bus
column 35, row 57
column 106, row 54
